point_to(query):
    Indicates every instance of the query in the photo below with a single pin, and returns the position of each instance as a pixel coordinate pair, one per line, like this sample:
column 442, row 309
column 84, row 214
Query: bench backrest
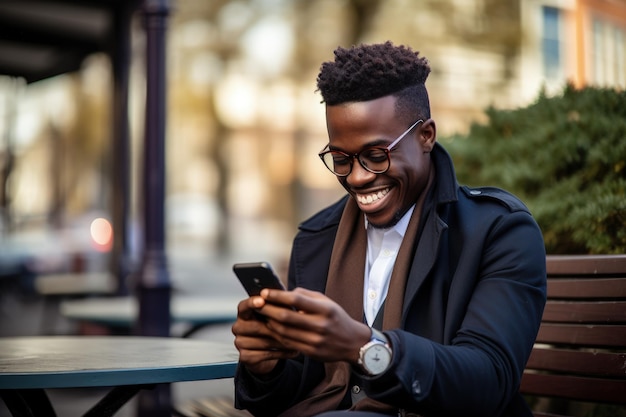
column 580, row 353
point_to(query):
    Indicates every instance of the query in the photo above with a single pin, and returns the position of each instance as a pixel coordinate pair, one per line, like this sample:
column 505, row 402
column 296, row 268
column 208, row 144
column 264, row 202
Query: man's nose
column 359, row 175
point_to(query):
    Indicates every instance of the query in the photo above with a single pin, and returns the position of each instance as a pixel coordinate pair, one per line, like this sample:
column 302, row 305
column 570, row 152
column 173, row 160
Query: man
column 412, row 295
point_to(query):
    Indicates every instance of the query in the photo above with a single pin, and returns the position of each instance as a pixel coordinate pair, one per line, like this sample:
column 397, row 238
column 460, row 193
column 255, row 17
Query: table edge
column 122, row 377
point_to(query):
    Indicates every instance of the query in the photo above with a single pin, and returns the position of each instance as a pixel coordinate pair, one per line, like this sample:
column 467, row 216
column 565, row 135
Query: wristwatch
column 375, row 355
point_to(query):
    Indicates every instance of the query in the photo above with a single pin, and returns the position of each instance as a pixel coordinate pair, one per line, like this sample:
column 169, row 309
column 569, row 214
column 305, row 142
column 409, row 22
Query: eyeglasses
column 375, row 159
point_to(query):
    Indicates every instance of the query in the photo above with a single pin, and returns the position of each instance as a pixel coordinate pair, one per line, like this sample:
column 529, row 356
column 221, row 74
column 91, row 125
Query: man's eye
column 375, row 155
column 340, row 160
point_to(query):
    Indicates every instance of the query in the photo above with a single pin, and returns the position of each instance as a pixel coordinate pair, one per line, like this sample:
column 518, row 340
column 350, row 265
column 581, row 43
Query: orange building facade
column 600, row 42
column 580, row 41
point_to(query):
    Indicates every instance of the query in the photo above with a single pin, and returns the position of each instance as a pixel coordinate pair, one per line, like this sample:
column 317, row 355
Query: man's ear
column 428, row 135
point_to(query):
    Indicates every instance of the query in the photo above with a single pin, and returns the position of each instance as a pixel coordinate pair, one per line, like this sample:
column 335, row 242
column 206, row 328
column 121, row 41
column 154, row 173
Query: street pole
column 119, row 168
column 154, row 285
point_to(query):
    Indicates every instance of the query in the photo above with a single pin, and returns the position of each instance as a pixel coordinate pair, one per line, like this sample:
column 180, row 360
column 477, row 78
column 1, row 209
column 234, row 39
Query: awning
column 43, row 38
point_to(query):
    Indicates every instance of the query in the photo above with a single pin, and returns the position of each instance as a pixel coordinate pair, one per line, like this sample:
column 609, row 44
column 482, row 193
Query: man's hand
column 319, row 327
column 258, row 349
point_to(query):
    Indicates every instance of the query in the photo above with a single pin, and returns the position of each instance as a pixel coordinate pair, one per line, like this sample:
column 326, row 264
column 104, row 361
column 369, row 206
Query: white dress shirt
column 382, row 249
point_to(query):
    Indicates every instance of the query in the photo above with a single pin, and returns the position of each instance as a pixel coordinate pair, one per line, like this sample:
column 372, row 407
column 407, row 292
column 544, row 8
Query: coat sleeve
column 269, row 397
column 478, row 373
column 295, row 377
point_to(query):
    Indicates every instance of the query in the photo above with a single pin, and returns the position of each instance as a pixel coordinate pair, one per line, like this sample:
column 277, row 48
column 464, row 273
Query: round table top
column 97, row 361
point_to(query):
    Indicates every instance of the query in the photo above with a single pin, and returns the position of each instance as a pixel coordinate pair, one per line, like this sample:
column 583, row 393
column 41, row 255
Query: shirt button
column 371, row 294
column 356, row 389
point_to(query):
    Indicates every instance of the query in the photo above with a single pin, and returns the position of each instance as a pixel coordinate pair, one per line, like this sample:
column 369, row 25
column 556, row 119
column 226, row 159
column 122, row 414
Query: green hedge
column 565, row 156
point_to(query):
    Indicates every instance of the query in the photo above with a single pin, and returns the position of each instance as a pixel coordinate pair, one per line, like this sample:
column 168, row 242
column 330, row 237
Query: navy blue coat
column 472, row 308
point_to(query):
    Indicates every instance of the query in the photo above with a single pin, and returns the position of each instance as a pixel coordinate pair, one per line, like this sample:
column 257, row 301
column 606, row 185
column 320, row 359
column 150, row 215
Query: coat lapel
column 424, row 259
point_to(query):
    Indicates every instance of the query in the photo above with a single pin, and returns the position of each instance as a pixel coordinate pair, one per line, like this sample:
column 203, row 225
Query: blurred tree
column 565, row 156
column 228, row 21
column 318, row 28
column 82, row 144
column 7, row 154
column 77, row 137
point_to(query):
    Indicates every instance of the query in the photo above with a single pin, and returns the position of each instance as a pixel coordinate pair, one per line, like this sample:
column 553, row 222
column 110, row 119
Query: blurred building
column 582, row 41
column 502, row 53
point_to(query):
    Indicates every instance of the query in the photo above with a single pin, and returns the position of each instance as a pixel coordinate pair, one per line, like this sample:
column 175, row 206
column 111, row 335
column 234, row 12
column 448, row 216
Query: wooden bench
column 579, row 359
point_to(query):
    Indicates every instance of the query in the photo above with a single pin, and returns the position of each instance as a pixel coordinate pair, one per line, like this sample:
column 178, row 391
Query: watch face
column 376, row 359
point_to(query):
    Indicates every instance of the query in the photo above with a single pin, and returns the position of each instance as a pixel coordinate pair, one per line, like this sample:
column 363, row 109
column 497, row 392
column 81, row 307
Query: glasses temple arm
column 395, row 142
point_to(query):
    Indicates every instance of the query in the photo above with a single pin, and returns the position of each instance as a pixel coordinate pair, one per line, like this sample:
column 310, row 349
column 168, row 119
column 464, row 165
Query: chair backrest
column 580, row 352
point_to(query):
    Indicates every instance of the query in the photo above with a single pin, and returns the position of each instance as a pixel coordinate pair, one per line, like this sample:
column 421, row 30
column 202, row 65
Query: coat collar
column 446, row 185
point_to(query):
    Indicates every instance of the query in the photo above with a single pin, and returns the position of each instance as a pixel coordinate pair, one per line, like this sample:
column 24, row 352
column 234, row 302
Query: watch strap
column 378, row 335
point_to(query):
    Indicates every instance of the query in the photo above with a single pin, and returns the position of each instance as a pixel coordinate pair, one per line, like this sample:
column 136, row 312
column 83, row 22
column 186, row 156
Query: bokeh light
column 101, row 234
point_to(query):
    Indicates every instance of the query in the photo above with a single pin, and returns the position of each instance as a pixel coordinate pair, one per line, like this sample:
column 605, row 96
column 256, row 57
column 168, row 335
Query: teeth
column 370, row 198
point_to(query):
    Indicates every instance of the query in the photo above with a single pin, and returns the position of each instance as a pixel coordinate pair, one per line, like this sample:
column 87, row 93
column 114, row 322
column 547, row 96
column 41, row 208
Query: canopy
column 43, row 38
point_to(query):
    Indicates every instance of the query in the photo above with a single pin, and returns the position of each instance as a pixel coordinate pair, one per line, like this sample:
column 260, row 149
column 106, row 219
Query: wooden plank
column 574, row 388
column 606, row 312
column 586, row 311
column 587, row 288
column 542, row 414
column 589, row 363
column 582, row 335
column 586, row 264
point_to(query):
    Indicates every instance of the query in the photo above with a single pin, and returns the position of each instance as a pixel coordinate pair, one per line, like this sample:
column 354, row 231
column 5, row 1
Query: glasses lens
column 337, row 162
column 375, row 160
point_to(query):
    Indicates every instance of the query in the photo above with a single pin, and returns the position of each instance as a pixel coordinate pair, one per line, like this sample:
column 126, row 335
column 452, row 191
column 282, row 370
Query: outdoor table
column 122, row 312
column 30, row 365
column 56, row 287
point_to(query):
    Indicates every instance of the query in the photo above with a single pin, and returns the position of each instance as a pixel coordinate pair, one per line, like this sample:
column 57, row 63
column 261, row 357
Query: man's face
column 352, row 127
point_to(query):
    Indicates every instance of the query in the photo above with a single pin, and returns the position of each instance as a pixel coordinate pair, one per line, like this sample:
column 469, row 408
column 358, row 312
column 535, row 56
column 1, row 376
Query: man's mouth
column 371, row 198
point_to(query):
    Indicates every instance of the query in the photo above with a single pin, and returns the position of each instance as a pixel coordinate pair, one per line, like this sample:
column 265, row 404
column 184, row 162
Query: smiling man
column 413, row 295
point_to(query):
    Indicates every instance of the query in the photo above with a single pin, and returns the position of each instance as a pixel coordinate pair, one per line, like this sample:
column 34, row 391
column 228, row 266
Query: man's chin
column 383, row 223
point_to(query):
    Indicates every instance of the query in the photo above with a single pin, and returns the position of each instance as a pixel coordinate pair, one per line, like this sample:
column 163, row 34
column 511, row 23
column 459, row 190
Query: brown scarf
column 345, row 286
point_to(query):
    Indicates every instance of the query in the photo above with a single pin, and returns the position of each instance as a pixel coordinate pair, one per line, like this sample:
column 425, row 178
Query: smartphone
column 255, row 276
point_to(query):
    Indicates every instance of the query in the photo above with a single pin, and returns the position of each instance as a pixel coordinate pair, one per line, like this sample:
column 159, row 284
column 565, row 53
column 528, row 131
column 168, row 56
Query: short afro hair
column 368, row 72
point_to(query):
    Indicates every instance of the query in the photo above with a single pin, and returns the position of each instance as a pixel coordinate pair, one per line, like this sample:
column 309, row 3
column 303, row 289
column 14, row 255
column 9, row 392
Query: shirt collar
column 399, row 227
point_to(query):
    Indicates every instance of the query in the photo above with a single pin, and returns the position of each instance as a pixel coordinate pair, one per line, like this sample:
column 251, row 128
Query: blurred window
column 551, row 43
column 609, row 54
column 620, row 57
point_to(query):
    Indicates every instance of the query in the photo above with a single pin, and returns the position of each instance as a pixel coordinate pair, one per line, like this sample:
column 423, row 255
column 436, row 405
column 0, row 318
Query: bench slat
column 575, row 388
column 590, row 363
column 542, row 414
column 579, row 335
column 586, row 288
column 586, row 264
column 585, row 312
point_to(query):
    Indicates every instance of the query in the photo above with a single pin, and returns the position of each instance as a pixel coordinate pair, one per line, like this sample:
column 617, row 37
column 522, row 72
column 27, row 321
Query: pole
column 119, row 169
column 154, row 282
